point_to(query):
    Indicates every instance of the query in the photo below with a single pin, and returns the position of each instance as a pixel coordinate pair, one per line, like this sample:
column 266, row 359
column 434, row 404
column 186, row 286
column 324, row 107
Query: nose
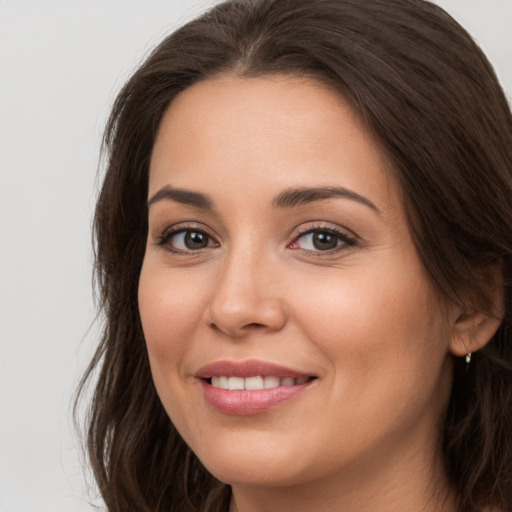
column 246, row 298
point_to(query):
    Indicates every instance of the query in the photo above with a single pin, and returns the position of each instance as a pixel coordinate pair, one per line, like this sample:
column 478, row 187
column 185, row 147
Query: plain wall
column 61, row 64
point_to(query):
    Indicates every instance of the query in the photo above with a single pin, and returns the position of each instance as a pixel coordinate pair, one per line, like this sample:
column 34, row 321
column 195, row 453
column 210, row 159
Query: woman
column 304, row 259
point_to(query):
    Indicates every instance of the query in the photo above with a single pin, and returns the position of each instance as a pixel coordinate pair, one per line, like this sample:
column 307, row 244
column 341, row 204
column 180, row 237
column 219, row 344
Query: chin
column 246, row 474
column 254, row 464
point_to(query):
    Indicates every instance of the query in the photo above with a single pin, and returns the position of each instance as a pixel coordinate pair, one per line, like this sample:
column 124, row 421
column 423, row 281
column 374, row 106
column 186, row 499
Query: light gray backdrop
column 61, row 64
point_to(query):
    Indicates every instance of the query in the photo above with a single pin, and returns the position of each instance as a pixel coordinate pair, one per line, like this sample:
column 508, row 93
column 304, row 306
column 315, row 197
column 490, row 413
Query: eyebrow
column 302, row 195
column 289, row 198
column 179, row 195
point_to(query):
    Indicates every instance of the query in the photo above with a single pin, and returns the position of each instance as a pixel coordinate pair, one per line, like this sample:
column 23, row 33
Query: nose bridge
column 246, row 295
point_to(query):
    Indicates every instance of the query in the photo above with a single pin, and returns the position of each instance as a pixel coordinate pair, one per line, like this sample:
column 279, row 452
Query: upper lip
column 247, row 369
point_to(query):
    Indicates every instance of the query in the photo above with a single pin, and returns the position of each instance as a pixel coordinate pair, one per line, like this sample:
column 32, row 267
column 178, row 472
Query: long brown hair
column 433, row 101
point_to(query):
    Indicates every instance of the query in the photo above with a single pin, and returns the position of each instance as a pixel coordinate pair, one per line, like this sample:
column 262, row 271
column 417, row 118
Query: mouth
column 250, row 387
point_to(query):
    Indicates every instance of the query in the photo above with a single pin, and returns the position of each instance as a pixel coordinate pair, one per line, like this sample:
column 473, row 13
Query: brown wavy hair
column 433, row 101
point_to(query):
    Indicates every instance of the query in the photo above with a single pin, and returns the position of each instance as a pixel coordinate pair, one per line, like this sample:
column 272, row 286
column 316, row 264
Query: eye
column 322, row 240
column 185, row 240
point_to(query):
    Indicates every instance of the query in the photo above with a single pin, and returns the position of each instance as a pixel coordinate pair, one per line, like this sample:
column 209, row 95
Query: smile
column 256, row 382
column 250, row 387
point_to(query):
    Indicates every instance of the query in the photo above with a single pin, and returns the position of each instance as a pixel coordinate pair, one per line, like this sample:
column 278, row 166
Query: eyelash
column 346, row 240
column 166, row 236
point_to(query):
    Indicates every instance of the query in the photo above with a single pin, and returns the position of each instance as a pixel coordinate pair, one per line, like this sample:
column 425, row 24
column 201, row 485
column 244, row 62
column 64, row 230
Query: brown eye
column 322, row 240
column 185, row 240
column 195, row 240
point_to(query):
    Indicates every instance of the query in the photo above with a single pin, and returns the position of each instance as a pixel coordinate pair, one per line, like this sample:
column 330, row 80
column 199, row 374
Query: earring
column 468, row 360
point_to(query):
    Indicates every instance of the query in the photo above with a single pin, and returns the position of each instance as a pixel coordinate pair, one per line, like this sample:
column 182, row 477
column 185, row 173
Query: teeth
column 254, row 383
column 271, row 382
column 235, row 383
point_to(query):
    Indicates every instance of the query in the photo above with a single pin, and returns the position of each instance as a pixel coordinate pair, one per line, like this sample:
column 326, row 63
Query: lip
column 248, row 369
column 249, row 402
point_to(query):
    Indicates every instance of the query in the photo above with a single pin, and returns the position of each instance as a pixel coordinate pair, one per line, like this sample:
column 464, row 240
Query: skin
column 363, row 317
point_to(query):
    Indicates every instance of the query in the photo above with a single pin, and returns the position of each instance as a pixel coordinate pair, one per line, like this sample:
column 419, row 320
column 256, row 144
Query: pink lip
column 245, row 402
column 247, row 369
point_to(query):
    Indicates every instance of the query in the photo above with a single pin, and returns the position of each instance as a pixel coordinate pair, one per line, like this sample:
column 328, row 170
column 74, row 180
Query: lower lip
column 246, row 403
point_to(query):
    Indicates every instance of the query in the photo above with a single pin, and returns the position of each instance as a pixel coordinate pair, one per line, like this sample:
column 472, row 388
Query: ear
column 472, row 330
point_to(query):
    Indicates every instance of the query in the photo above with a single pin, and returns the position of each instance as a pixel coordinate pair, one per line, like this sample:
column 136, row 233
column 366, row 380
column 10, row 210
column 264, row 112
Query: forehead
column 272, row 131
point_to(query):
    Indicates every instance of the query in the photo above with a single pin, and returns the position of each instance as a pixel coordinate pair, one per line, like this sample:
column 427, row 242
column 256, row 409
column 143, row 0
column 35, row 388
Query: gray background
column 61, row 64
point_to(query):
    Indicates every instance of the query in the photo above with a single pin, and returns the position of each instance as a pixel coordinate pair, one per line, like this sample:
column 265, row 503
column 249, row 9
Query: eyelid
column 348, row 238
column 164, row 236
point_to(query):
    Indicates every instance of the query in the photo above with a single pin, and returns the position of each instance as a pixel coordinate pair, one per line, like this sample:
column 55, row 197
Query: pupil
column 194, row 240
column 324, row 241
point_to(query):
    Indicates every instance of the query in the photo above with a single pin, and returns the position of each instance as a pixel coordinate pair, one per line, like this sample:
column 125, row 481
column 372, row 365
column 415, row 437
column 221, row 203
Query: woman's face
column 279, row 265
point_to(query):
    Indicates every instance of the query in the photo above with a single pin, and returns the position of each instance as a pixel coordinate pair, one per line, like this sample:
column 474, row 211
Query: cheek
column 170, row 306
column 360, row 307
column 386, row 347
column 377, row 328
